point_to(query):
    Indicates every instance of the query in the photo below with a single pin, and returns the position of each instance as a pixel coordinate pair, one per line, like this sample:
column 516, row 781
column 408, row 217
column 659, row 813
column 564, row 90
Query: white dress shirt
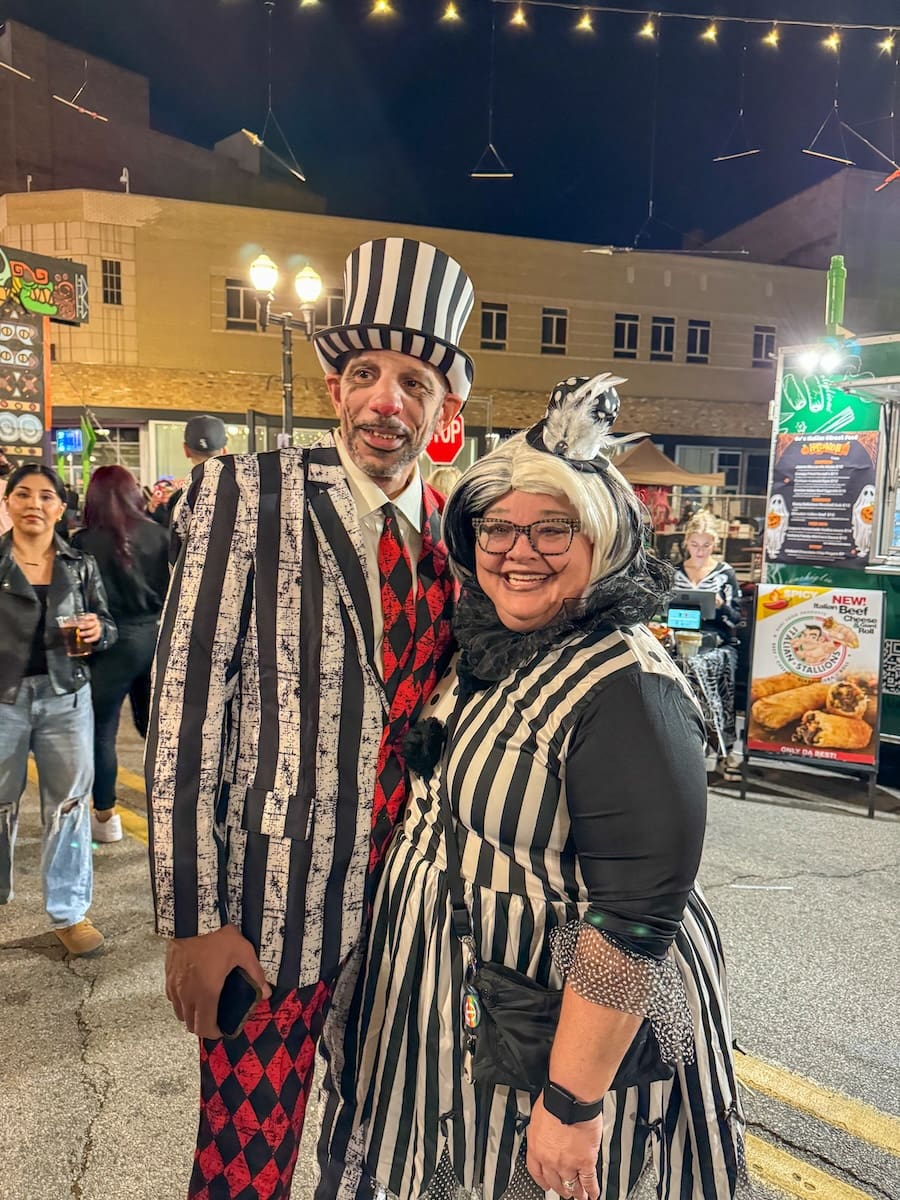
column 369, row 499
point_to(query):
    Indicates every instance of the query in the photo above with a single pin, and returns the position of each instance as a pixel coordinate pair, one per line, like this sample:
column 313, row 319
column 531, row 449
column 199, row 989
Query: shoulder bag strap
column 462, row 926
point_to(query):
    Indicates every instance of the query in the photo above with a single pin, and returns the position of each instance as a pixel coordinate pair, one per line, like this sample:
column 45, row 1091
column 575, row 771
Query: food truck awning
column 884, row 389
column 646, row 464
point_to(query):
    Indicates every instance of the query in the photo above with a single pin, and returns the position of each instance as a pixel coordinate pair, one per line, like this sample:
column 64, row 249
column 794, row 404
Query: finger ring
column 570, row 1184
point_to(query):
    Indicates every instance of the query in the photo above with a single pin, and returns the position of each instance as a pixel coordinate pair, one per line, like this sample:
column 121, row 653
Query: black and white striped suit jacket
column 261, row 811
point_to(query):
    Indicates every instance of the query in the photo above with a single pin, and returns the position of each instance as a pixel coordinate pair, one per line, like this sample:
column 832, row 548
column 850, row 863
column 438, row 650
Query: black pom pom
column 424, row 745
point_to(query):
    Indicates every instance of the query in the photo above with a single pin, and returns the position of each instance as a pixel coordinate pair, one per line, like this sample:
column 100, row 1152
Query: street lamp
column 308, row 286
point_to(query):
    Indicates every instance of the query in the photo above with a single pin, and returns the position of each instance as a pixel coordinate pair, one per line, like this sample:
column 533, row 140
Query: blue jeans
column 59, row 731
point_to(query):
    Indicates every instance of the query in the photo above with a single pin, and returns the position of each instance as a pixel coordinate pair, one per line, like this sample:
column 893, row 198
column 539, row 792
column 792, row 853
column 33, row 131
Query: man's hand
column 195, row 973
column 562, row 1155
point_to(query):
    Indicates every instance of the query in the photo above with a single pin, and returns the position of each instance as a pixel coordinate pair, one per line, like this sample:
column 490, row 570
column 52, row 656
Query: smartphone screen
column 238, row 998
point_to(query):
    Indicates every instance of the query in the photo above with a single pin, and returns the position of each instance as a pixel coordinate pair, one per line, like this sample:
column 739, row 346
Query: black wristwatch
column 567, row 1110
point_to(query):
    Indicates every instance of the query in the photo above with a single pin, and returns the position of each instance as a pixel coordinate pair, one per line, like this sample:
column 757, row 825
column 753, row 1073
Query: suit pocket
column 275, row 814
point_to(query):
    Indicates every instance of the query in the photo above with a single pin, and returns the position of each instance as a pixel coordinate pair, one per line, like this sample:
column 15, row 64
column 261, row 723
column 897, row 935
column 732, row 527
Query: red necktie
column 398, row 603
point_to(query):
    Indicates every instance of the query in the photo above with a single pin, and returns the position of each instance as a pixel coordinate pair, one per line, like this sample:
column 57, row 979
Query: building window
column 764, row 345
column 729, row 463
column 625, row 340
column 240, row 305
column 330, row 309
column 112, row 280
column 698, row 335
column 494, row 326
column 662, row 339
column 554, row 330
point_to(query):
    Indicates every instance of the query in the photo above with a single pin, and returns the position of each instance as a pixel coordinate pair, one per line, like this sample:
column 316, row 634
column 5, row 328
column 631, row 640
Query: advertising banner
column 23, row 382
column 46, row 287
column 814, row 674
column 822, row 505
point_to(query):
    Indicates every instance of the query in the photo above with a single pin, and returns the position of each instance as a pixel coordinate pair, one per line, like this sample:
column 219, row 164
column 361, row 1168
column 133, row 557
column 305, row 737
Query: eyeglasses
column 545, row 537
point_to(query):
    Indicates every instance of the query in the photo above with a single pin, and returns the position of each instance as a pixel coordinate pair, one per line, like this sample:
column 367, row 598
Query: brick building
column 172, row 328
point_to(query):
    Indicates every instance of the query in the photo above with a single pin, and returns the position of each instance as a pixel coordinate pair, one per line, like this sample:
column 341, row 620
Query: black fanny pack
column 509, row 1021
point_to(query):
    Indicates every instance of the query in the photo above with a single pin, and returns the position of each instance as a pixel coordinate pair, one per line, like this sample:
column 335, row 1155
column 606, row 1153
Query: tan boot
column 82, row 938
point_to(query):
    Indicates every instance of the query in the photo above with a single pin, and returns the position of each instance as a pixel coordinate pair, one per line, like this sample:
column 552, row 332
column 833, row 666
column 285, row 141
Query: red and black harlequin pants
column 253, row 1094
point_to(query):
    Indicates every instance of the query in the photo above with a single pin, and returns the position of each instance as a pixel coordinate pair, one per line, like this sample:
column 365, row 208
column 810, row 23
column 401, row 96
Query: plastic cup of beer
column 76, row 646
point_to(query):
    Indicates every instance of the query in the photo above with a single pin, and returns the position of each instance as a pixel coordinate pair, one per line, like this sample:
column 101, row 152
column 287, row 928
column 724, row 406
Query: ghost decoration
column 776, row 526
column 862, row 517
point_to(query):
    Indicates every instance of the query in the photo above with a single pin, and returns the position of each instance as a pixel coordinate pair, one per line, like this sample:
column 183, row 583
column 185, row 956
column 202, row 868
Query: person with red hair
column 132, row 553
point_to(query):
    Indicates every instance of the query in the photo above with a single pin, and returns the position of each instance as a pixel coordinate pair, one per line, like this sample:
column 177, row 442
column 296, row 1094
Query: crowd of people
column 82, row 590
column 395, row 806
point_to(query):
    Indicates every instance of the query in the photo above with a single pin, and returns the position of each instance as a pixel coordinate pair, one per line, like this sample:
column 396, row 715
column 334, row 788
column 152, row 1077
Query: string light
column 833, row 41
column 382, row 8
column 887, row 46
column 585, row 24
column 648, row 29
column 451, row 13
column 773, row 37
column 710, row 33
column 519, row 18
column 309, row 3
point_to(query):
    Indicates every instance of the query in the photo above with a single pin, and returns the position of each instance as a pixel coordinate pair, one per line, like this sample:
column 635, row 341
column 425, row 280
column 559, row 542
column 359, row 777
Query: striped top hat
column 406, row 296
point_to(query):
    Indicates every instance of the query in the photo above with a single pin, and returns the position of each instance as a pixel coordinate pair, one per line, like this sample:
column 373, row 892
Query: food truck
column 832, row 546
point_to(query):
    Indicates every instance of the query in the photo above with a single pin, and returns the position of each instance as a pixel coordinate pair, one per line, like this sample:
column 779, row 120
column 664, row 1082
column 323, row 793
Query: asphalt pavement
column 99, row 1081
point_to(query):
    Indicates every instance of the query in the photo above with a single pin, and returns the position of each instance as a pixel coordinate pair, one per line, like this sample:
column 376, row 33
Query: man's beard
column 400, row 460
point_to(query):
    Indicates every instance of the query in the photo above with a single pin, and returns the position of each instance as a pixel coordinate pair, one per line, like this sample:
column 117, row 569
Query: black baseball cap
column 205, row 435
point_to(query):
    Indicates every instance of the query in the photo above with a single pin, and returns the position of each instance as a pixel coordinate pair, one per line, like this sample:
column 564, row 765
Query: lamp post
column 308, row 286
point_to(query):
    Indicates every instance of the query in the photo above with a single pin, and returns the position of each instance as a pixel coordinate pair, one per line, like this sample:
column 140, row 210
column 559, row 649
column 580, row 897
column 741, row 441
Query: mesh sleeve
column 602, row 971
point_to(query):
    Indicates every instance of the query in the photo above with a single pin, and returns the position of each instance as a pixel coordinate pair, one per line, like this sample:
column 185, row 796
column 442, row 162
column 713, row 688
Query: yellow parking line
column 134, row 823
column 781, row 1171
column 842, row 1112
column 131, row 779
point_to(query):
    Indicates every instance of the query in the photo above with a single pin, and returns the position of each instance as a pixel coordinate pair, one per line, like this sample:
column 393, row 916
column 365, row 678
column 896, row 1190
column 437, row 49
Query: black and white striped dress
column 421, row 1128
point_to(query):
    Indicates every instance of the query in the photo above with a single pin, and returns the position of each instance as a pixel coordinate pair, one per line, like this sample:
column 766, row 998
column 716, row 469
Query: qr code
column 890, row 671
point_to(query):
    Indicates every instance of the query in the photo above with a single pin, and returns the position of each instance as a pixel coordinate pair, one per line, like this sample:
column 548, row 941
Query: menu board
column 814, row 674
column 23, row 384
column 822, row 504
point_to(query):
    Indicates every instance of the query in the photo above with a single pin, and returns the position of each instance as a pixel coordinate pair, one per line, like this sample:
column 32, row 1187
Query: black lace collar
column 490, row 651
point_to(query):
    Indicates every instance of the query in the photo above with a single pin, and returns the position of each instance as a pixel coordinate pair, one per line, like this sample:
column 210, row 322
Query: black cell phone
column 238, row 998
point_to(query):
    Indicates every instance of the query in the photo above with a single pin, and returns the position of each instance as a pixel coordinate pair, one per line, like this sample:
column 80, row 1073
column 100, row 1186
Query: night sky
column 388, row 116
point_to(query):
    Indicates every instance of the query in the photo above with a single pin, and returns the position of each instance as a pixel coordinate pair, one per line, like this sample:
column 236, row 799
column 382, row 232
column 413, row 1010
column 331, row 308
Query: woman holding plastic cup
column 53, row 613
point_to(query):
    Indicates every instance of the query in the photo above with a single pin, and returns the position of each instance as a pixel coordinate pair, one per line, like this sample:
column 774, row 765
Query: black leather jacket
column 75, row 586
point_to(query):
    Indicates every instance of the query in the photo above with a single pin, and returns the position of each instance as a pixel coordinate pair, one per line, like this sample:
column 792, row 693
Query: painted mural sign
column 45, row 287
column 814, row 675
column 24, row 395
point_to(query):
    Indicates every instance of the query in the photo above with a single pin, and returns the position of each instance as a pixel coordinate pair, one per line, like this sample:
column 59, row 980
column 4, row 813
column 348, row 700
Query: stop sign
column 446, row 444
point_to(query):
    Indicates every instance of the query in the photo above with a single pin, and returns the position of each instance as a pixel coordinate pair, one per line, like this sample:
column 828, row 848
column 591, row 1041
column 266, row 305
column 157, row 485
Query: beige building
column 173, row 326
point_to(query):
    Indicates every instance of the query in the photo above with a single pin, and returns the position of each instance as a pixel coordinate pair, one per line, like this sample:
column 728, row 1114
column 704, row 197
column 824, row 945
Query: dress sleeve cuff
column 599, row 969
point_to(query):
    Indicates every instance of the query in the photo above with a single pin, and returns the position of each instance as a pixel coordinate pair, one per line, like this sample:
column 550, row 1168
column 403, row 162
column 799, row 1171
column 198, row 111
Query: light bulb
column 648, row 29
column 451, row 13
column 833, row 41
column 772, row 38
column 382, row 8
column 710, row 33
column 887, row 46
column 263, row 274
column 518, row 17
column 308, row 285
column 585, row 24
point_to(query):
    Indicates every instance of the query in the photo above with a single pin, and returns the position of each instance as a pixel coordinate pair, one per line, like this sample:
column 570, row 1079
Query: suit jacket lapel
column 341, row 549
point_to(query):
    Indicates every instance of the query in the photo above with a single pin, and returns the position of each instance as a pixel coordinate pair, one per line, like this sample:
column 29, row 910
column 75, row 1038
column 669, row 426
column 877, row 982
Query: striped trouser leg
column 253, row 1094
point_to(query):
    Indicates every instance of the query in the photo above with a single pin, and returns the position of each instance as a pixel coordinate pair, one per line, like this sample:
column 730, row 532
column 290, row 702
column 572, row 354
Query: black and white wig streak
column 627, row 585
